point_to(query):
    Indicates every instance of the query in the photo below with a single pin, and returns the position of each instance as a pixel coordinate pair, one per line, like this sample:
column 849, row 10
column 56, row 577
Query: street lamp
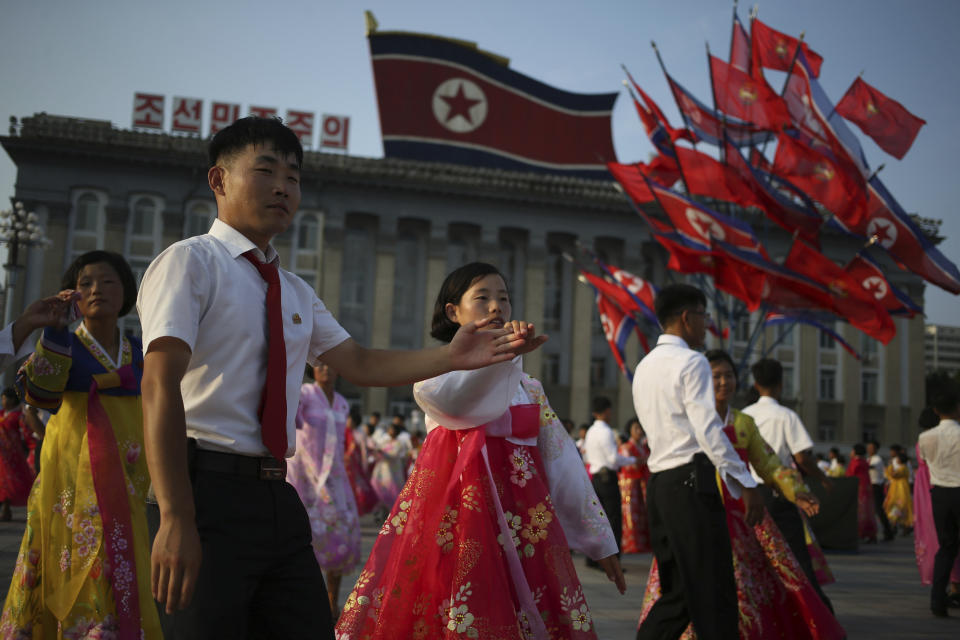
column 18, row 228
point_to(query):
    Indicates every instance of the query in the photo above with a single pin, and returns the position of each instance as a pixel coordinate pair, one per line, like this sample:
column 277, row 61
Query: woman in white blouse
column 478, row 540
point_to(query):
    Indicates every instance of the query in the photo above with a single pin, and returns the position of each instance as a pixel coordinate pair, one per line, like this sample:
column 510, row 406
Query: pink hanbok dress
column 478, row 543
column 318, row 474
column 925, row 542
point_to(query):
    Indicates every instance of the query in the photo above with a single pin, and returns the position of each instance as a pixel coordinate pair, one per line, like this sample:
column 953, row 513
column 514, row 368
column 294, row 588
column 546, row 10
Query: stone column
column 808, row 376
column 849, row 378
column 436, row 272
column 890, row 372
column 580, row 343
column 489, row 248
column 383, row 285
column 328, row 287
column 533, row 300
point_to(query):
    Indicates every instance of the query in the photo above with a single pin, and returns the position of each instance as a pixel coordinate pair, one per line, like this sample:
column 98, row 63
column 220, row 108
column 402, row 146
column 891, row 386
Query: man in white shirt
column 783, row 430
column 674, row 400
column 877, row 480
column 940, row 448
column 602, row 460
column 226, row 335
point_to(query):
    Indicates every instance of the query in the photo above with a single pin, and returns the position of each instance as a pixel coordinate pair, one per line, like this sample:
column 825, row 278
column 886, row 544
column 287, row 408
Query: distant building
column 375, row 237
column 942, row 348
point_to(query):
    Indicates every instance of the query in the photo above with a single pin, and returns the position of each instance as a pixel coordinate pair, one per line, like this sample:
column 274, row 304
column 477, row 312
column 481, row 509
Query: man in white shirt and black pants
column 226, row 334
column 940, row 448
column 674, row 400
column 783, row 430
column 603, row 461
column 877, row 481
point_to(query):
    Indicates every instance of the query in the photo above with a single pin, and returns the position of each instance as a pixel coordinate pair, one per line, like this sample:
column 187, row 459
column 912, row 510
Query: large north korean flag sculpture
column 445, row 100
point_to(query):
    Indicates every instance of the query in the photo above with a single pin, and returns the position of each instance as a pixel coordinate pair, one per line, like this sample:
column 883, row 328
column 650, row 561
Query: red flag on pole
column 871, row 277
column 775, row 50
column 740, row 46
column 849, row 299
column 616, row 329
column 747, row 98
column 834, row 184
column 708, row 177
column 884, row 119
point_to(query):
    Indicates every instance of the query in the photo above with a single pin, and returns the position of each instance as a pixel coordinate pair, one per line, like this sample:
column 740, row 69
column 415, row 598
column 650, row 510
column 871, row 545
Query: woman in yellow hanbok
column 898, row 502
column 84, row 565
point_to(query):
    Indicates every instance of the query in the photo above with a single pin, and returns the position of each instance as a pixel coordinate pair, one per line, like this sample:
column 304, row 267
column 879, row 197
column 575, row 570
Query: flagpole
column 780, row 339
column 730, row 56
column 663, row 68
column 786, row 82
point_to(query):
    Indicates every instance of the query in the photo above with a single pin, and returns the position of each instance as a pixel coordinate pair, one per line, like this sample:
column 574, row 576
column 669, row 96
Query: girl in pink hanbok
column 477, row 545
column 317, row 472
column 355, row 459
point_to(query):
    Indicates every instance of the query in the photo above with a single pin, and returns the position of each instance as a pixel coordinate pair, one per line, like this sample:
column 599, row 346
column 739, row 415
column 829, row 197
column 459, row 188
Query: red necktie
column 273, row 405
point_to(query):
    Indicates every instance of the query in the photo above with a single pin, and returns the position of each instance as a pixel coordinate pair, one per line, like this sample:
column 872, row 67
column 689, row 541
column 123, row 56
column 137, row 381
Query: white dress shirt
column 940, row 447
column 876, row 469
column 600, row 449
column 781, row 427
column 7, row 353
column 674, row 400
column 204, row 292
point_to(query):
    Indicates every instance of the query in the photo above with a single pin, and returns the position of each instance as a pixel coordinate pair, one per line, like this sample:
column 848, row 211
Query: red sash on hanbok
column 113, row 500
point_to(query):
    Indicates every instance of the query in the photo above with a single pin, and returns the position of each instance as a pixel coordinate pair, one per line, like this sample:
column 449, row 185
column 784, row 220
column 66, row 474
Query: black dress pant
column 259, row 578
column 608, row 492
column 881, row 513
column 688, row 532
column 787, row 517
column 946, row 519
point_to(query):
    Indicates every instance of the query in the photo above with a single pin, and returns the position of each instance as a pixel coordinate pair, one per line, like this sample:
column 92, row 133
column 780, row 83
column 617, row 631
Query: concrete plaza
column 877, row 594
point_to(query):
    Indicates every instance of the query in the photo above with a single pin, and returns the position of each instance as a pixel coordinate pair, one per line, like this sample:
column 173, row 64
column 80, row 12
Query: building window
column 869, row 351
column 88, row 214
column 826, row 340
column 461, row 245
column 356, row 289
column 788, row 382
column 551, row 368
column 406, row 330
column 553, row 291
column 785, row 333
column 598, row 372
column 870, row 430
column 307, row 233
column 827, row 431
column 512, row 264
column 828, row 384
column 198, row 220
column 741, row 329
column 87, row 224
column 869, row 387
column 142, row 217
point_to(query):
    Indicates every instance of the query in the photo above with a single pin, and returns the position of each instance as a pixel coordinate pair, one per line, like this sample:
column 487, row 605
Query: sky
column 87, row 59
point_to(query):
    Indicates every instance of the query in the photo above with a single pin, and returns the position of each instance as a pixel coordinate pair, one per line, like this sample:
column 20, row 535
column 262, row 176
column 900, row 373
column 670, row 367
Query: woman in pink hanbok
column 390, row 468
column 317, row 472
column 478, row 543
column 355, row 459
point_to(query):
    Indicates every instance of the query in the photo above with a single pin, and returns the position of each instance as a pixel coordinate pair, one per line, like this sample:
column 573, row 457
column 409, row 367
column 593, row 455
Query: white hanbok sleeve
column 466, row 399
column 582, row 517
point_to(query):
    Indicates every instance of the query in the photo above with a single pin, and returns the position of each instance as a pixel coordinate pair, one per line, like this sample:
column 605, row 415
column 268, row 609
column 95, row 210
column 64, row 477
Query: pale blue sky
column 86, row 59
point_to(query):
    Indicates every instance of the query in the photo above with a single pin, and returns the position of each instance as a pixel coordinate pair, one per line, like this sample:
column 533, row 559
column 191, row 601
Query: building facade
column 375, row 238
column 942, row 348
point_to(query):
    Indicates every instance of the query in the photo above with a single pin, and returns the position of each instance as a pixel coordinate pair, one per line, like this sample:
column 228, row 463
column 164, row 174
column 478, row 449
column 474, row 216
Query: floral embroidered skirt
column 471, row 549
column 636, row 530
column 60, row 587
column 774, row 597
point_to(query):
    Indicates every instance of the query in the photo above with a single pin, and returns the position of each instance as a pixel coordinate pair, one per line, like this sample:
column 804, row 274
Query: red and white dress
column 477, row 544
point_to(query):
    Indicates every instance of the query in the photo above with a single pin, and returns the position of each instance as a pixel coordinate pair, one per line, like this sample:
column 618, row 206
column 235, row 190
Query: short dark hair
column 11, row 393
column 601, row 404
column 674, row 299
column 902, row 457
column 115, row 260
column 768, row 373
column 375, row 414
column 928, row 419
column 454, row 286
column 946, row 398
column 254, row 130
column 896, row 448
column 719, row 355
column 859, row 449
column 630, row 422
column 874, row 442
column 355, row 415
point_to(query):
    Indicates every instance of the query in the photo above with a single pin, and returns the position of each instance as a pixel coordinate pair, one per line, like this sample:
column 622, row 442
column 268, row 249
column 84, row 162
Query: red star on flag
column 459, row 105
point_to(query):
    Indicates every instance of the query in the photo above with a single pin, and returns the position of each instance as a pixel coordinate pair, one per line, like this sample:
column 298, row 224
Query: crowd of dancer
column 192, row 486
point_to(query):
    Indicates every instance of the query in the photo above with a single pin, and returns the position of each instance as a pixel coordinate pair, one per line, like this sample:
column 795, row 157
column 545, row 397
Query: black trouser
column 258, row 575
column 881, row 513
column 608, row 492
column 688, row 532
column 946, row 519
column 787, row 516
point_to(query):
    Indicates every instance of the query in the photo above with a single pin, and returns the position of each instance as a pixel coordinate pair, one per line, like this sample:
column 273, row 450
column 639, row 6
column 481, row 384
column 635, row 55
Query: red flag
column 885, row 120
column 630, row 177
column 690, row 257
column 849, row 300
column 758, row 160
column 654, row 109
column 705, row 176
column 834, row 184
column 874, row 282
column 614, row 292
column 638, row 287
column 701, row 224
column 747, row 98
column 781, row 209
column 616, row 328
column 775, row 50
column 740, row 46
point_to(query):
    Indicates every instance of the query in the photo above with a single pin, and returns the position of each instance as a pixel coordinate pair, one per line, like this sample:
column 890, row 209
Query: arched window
column 199, row 217
column 143, row 215
column 307, row 233
column 88, row 213
column 87, row 222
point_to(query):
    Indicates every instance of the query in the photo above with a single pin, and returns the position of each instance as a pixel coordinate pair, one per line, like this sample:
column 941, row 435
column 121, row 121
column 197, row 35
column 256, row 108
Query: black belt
column 240, row 465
